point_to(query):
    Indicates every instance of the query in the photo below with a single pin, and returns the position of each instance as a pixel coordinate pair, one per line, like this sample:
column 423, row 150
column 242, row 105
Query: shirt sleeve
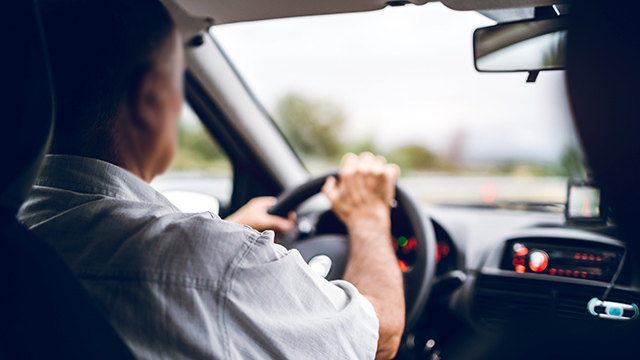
column 276, row 307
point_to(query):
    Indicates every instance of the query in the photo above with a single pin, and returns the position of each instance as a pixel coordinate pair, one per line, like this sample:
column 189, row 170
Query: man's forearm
column 374, row 271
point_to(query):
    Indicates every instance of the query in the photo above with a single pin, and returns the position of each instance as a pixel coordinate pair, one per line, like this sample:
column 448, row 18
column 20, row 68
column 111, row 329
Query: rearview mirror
column 529, row 45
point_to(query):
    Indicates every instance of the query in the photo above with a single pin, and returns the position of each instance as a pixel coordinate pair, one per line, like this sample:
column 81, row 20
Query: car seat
column 603, row 80
column 45, row 313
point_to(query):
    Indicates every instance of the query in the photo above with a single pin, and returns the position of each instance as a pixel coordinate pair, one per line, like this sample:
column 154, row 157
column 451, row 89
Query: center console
column 563, row 257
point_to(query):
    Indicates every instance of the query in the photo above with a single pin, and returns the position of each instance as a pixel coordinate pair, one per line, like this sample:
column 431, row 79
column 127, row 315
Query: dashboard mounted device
column 585, row 205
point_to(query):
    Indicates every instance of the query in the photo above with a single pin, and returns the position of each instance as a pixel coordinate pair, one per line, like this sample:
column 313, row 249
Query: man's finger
column 367, row 156
column 378, row 168
column 365, row 162
column 348, row 158
column 330, row 187
column 263, row 201
column 269, row 200
column 398, row 170
column 281, row 224
column 392, row 172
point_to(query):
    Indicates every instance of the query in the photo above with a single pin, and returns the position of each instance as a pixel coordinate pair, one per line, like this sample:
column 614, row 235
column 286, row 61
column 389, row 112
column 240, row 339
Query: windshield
column 401, row 82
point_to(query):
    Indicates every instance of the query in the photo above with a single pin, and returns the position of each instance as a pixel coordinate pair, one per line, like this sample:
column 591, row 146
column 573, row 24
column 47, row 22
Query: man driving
column 177, row 285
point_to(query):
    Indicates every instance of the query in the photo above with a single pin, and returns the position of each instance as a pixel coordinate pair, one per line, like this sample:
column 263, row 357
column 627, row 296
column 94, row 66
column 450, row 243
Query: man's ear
column 145, row 104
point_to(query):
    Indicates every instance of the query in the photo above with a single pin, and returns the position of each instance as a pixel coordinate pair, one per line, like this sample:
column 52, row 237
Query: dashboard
column 510, row 280
column 526, row 279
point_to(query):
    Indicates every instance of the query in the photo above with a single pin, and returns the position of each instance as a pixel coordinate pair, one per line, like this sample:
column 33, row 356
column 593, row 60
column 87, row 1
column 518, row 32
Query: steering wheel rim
column 420, row 278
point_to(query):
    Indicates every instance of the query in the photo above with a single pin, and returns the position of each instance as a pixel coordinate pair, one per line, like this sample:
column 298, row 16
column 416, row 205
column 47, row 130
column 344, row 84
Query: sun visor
column 230, row 11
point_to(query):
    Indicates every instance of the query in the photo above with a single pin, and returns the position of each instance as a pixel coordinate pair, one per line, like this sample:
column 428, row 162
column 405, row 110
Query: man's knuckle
column 349, row 157
column 346, row 172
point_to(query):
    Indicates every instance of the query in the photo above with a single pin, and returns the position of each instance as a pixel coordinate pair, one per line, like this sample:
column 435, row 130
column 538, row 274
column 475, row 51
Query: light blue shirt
column 191, row 286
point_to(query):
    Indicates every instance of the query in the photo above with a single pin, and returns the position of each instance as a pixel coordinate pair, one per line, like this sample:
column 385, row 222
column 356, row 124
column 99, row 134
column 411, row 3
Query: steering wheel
column 418, row 278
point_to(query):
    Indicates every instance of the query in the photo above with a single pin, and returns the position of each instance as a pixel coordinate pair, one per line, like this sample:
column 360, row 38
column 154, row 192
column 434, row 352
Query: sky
column 405, row 75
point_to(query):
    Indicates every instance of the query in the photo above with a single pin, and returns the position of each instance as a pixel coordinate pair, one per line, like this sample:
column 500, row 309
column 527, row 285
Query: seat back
column 603, row 79
column 45, row 313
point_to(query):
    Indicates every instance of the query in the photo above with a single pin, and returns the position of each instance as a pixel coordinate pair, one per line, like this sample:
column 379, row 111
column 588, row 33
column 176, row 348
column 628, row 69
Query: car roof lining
column 232, row 11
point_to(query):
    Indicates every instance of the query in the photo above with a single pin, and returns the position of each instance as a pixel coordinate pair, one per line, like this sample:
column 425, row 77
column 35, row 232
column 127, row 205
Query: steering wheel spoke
column 326, row 254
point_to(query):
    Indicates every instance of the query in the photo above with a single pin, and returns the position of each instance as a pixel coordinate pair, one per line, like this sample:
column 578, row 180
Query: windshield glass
column 401, row 82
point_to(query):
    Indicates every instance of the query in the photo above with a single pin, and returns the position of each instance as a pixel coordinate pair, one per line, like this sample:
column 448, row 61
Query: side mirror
column 529, row 45
column 192, row 201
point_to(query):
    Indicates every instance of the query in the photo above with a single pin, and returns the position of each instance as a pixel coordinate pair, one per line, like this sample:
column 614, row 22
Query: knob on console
column 538, row 260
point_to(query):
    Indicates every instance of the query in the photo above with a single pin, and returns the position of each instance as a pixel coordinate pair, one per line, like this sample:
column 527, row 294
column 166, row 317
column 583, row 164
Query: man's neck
column 120, row 158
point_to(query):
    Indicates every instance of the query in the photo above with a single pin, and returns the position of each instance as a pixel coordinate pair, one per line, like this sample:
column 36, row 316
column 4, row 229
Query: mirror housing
column 528, row 45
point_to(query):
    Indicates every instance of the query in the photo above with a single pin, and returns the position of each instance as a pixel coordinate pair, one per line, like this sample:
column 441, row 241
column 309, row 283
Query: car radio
column 592, row 263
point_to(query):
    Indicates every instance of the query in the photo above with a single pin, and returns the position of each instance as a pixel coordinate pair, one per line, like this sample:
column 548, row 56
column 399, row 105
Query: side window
column 200, row 166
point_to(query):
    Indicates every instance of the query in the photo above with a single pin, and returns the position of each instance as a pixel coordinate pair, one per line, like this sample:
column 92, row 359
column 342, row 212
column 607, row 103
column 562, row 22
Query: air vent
column 503, row 300
column 572, row 304
column 573, row 307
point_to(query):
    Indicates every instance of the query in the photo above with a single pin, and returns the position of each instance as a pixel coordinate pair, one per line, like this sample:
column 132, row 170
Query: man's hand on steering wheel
column 365, row 256
column 365, row 190
column 362, row 198
column 255, row 214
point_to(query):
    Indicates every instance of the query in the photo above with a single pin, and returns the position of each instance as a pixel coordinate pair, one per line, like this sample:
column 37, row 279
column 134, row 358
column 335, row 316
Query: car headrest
column 603, row 79
column 27, row 106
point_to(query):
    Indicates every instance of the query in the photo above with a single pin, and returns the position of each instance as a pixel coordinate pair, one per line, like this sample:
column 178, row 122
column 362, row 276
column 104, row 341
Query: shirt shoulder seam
column 75, row 187
column 151, row 276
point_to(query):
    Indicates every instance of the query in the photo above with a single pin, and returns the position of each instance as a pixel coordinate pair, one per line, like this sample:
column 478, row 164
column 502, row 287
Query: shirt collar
column 93, row 176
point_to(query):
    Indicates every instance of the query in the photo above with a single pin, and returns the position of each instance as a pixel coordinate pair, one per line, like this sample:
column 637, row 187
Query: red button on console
column 538, row 260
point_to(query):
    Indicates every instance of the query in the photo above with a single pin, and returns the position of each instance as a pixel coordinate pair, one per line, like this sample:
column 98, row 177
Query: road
column 427, row 188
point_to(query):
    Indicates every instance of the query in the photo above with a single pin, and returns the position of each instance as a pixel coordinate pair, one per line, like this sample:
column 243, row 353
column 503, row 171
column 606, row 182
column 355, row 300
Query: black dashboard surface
column 480, row 301
column 474, row 231
column 503, row 308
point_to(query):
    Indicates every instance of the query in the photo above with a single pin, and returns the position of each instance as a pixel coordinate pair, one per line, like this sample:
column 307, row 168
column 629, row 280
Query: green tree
column 197, row 150
column 571, row 163
column 358, row 147
column 313, row 127
column 415, row 157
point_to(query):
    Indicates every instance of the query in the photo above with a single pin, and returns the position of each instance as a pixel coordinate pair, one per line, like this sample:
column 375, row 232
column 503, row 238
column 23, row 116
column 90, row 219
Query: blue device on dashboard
column 612, row 310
